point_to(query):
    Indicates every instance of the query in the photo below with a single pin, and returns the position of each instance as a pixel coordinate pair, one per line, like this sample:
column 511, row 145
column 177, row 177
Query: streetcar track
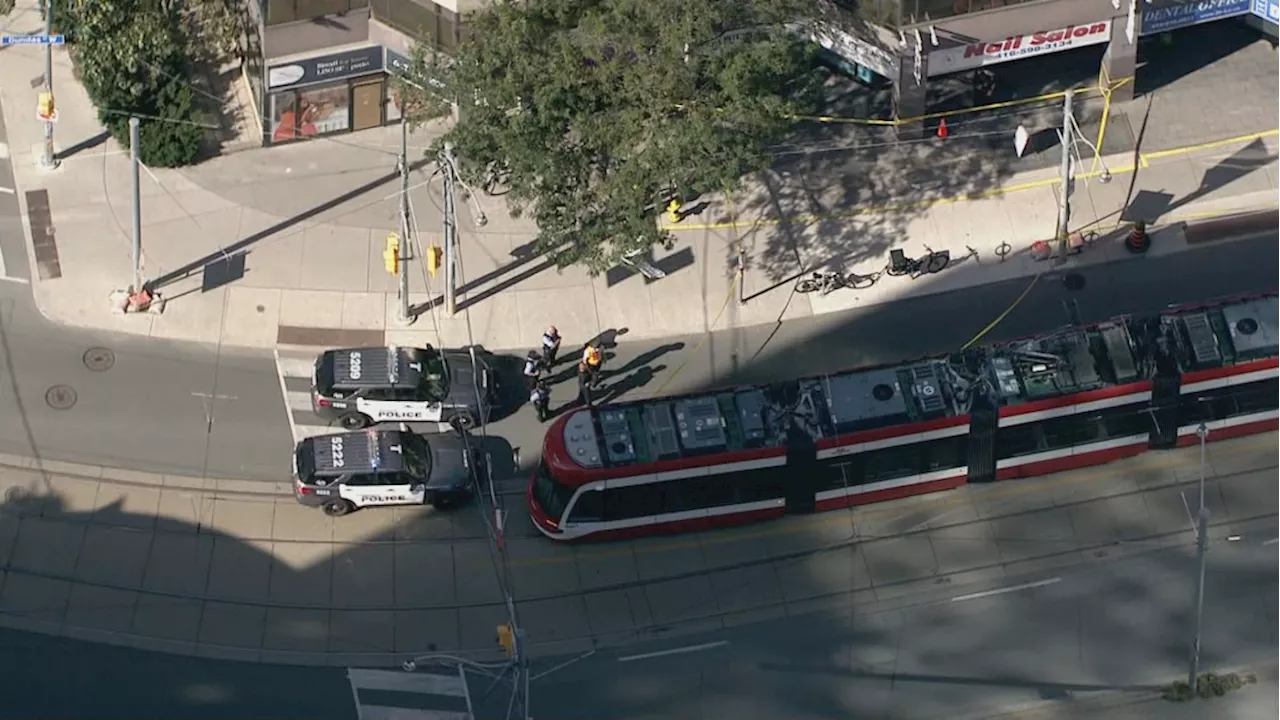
column 1137, row 542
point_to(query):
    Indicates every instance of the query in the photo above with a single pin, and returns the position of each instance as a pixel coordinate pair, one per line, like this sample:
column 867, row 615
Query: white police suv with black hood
column 385, row 466
column 362, row 386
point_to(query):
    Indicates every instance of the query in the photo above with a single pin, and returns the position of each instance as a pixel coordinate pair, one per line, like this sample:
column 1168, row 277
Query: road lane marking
column 297, row 367
column 1001, row 591
column 284, row 396
column 1272, row 541
column 674, row 651
column 7, row 191
column 298, row 400
column 19, row 280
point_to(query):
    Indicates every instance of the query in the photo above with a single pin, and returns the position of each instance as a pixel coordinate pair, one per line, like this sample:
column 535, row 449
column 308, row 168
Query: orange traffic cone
column 942, row 128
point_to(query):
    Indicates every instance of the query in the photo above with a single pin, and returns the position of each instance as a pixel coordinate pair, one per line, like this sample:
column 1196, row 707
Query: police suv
column 382, row 466
column 362, row 386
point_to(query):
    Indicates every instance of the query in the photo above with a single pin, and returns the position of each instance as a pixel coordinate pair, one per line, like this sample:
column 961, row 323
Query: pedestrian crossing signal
column 45, row 108
column 434, row 257
column 391, row 254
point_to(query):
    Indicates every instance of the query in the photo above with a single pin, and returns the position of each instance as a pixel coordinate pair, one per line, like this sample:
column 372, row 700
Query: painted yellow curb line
column 1144, row 161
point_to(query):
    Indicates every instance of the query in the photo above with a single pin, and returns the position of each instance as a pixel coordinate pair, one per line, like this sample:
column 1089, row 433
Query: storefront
column 327, row 95
column 971, row 56
column 1163, row 17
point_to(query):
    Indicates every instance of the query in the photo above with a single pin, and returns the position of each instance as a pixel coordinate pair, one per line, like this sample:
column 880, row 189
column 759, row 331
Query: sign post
column 47, row 110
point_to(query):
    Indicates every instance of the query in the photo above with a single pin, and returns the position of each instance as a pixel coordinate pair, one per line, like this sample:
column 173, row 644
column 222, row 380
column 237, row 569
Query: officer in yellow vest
column 592, row 358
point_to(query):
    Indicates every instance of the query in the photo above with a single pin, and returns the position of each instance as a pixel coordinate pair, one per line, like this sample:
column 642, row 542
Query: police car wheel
column 353, row 421
column 463, row 421
column 338, row 508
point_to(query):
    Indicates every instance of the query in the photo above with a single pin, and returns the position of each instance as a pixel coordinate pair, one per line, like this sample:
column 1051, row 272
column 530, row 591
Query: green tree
column 134, row 59
column 594, row 113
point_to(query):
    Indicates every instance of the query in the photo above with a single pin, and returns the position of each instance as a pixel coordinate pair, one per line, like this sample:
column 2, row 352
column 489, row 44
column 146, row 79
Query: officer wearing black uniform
column 550, row 346
column 532, row 368
column 541, row 399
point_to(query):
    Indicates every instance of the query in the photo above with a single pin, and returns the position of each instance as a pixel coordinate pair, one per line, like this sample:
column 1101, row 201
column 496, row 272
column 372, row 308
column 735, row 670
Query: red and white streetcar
column 1077, row 397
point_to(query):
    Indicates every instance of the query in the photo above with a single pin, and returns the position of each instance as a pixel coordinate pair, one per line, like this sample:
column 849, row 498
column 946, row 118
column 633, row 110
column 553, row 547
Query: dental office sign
column 1193, row 12
column 1017, row 47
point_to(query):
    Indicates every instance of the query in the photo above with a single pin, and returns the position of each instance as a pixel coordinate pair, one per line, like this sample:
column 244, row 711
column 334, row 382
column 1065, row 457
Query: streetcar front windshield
column 551, row 496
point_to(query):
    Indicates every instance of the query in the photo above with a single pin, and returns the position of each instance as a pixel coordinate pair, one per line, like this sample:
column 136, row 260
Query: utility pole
column 1202, row 549
column 135, row 152
column 405, row 317
column 447, row 163
column 48, row 161
column 1064, row 207
column 1201, row 554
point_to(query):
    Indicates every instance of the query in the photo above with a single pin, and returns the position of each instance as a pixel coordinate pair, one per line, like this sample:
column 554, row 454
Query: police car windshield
column 417, row 456
column 435, row 374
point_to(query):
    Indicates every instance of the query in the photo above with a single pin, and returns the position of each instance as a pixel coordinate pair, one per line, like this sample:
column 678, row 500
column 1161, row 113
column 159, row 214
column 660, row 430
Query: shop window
column 283, row 117
column 324, row 110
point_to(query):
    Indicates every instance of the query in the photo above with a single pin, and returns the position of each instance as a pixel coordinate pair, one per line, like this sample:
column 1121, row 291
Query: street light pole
column 48, row 161
column 1202, row 548
column 135, row 153
column 1064, row 207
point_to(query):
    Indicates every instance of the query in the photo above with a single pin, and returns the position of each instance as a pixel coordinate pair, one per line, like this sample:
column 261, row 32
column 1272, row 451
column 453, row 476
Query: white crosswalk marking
column 425, row 694
column 295, row 371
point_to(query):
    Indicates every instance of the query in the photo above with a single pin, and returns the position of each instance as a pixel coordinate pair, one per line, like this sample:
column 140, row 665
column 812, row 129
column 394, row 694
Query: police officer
column 550, row 346
column 532, row 368
column 541, row 399
column 592, row 359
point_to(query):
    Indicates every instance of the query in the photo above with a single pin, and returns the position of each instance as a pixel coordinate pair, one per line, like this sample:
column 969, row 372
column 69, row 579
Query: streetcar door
column 801, row 473
column 984, row 420
column 1166, row 397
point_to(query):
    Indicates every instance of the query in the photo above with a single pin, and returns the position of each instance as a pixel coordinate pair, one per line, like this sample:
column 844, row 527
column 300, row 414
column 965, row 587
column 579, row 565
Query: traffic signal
column 434, row 257
column 507, row 639
column 45, row 108
column 391, row 254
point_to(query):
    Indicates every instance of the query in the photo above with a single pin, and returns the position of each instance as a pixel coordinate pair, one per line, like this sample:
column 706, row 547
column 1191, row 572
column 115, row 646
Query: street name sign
column 32, row 39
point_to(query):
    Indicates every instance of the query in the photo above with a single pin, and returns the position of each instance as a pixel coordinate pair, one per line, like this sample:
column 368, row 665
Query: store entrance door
column 366, row 105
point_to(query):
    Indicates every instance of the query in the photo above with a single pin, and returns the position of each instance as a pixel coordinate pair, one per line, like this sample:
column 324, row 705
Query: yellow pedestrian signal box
column 45, row 107
column 391, row 254
column 435, row 256
column 507, row 639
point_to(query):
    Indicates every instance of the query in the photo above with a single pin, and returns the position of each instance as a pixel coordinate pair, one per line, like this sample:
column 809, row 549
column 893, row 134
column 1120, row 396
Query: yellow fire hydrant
column 673, row 211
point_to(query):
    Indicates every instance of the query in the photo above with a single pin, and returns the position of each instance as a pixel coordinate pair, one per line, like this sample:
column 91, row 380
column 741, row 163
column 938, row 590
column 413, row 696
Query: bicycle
column 934, row 262
column 826, row 282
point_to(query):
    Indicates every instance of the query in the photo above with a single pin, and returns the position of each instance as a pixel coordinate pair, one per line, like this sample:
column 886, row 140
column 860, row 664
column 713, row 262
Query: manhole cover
column 1073, row 281
column 99, row 359
column 60, row 397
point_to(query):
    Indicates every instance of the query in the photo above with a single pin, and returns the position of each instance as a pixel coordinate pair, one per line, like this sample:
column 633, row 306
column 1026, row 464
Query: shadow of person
column 641, row 360
column 636, row 380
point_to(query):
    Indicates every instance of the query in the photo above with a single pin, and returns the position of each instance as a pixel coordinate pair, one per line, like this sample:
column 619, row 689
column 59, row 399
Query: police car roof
column 363, row 451
column 378, row 366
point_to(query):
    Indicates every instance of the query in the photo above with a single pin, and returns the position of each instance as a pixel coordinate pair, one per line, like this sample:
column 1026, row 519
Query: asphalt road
column 203, row 410
column 1101, row 626
column 50, row 677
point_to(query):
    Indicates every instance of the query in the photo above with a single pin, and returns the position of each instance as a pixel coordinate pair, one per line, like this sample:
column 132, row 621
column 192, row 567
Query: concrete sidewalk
column 283, row 245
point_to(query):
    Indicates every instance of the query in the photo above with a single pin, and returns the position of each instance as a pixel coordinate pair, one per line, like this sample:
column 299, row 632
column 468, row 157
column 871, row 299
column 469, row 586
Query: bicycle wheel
column 808, row 285
column 937, row 263
column 860, row 282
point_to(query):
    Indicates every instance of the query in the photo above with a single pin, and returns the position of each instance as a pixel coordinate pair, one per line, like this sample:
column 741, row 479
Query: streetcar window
column 1125, row 421
column 759, row 485
column 1016, row 440
column 944, row 453
column 701, row 493
column 890, row 463
column 1068, row 431
column 589, row 507
column 1256, row 397
column 633, row 501
column 1226, row 402
column 551, row 495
